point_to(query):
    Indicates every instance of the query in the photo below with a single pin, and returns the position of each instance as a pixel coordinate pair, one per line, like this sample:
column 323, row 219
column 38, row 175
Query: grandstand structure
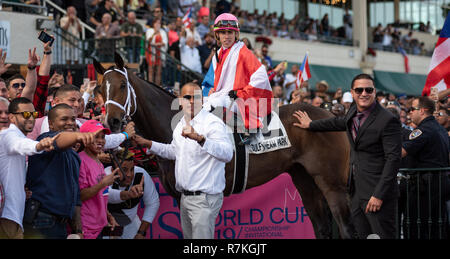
column 334, row 59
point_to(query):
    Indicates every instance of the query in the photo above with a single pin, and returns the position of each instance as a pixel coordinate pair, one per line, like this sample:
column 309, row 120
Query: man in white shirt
column 14, row 147
column 135, row 185
column 200, row 147
column 189, row 54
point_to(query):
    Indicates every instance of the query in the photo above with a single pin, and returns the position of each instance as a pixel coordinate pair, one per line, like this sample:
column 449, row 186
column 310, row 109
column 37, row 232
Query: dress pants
column 198, row 215
column 383, row 222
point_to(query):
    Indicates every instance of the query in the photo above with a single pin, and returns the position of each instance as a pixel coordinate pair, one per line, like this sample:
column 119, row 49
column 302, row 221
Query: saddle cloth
column 270, row 138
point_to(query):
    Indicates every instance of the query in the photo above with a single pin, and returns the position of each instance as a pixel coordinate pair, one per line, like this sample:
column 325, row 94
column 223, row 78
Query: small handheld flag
column 304, row 74
column 187, row 19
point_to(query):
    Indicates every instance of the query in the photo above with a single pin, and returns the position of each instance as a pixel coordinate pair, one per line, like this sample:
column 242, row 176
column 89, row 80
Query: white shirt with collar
column 199, row 168
column 14, row 147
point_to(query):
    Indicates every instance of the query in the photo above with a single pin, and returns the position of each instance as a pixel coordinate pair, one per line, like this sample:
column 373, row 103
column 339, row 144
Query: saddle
column 272, row 136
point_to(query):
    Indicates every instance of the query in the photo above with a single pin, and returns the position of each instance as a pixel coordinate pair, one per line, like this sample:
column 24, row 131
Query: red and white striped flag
column 405, row 58
column 304, row 74
column 187, row 19
column 439, row 72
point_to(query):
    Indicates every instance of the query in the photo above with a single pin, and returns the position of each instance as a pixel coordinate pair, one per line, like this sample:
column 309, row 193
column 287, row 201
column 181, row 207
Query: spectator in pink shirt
column 94, row 184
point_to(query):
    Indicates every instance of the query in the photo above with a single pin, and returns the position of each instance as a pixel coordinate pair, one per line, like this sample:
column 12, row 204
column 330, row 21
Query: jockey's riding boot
column 246, row 137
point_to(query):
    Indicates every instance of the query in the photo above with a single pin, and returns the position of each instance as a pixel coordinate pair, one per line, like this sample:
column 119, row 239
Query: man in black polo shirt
column 52, row 177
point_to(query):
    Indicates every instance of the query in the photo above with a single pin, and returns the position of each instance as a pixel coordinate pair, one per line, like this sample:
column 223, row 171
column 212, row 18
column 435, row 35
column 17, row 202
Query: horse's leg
column 313, row 200
column 340, row 207
column 334, row 190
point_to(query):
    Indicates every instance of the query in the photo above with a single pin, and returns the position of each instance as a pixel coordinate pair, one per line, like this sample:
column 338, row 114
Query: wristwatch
column 202, row 140
column 47, row 52
column 31, row 67
column 140, row 232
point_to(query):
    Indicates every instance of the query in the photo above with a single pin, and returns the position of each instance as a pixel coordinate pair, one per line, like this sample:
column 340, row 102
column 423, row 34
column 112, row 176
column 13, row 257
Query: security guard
column 428, row 146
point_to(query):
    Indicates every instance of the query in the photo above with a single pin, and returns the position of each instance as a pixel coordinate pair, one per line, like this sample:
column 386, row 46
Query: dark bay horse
column 317, row 162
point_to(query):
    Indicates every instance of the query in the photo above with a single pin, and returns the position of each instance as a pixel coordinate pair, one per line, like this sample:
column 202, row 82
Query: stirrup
column 245, row 138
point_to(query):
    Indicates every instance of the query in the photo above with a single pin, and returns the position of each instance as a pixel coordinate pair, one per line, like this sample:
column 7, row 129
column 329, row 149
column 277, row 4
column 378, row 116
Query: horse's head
column 118, row 94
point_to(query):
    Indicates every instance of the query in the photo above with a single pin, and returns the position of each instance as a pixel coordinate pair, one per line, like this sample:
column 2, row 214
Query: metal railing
column 84, row 26
column 302, row 36
column 68, row 49
column 23, row 8
column 422, row 205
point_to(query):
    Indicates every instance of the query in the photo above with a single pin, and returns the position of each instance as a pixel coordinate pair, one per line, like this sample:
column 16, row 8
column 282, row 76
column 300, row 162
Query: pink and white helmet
column 226, row 21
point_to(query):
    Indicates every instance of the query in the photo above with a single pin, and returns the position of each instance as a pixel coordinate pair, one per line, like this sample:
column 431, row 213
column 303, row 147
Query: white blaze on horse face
column 108, row 86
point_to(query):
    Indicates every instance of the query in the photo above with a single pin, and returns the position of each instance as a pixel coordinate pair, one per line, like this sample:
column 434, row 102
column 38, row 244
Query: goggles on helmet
column 226, row 25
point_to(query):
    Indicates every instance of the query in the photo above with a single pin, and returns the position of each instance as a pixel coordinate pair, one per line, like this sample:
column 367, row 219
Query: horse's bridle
column 131, row 95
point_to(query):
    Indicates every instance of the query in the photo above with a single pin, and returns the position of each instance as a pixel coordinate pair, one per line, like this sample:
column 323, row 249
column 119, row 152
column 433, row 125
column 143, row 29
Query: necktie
column 357, row 124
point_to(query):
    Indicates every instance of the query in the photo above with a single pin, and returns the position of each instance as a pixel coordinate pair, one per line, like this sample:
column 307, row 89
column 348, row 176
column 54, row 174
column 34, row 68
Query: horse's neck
column 154, row 111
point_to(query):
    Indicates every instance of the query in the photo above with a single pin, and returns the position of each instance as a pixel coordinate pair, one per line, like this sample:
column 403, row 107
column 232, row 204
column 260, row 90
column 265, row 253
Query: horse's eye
column 123, row 85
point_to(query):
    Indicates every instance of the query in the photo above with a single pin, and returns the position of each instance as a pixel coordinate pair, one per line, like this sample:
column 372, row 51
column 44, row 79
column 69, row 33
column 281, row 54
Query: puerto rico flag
column 439, row 71
column 187, row 19
column 405, row 58
column 304, row 74
column 239, row 70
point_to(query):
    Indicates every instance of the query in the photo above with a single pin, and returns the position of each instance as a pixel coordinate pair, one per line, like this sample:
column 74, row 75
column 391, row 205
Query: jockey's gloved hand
column 233, row 94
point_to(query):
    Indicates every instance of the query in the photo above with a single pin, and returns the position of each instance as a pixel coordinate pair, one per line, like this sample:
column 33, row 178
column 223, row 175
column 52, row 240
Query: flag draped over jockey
column 304, row 74
column 187, row 22
column 405, row 58
column 238, row 69
column 439, row 71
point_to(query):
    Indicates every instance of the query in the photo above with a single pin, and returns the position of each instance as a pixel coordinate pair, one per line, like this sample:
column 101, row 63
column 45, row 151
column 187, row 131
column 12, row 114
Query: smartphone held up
column 45, row 37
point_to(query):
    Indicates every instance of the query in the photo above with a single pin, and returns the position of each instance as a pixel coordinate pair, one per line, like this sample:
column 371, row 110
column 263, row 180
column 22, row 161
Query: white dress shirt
column 199, row 168
column 150, row 198
column 14, row 147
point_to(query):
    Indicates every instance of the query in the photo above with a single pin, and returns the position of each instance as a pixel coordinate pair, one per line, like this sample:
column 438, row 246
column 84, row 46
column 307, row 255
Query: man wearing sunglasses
column 375, row 141
column 201, row 148
column 14, row 147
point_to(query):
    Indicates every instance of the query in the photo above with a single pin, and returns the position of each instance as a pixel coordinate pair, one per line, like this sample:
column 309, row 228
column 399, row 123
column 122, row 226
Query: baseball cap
column 347, row 97
column 93, row 126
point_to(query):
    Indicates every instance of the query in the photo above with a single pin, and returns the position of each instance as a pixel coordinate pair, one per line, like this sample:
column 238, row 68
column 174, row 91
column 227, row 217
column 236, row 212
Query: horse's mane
column 148, row 82
column 159, row 88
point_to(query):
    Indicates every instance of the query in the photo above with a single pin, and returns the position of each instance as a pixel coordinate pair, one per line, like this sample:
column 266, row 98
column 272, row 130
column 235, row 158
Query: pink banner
column 270, row 211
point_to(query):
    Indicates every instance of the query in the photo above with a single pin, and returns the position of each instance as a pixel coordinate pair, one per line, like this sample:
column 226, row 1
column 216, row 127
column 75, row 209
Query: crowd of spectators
column 43, row 88
column 390, row 38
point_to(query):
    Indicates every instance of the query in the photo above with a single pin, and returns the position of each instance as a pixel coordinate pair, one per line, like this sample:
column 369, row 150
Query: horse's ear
column 118, row 60
column 98, row 67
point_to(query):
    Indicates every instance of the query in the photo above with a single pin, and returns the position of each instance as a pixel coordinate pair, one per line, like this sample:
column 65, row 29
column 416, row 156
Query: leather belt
column 56, row 218
column 189, row 193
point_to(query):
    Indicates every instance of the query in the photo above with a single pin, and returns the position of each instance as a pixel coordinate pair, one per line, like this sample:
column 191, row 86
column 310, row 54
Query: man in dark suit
column 375, row 139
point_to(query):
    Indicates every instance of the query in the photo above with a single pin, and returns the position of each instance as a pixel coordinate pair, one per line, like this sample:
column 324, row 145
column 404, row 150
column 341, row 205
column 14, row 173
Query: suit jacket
column 375, row 154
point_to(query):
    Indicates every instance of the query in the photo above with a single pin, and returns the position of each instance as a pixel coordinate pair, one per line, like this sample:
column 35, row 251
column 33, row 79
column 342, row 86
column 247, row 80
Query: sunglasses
column 225, row 24
column 17, row 85
column 360, row 90
column 415, row 108
column 27, row 115
column 189, row 97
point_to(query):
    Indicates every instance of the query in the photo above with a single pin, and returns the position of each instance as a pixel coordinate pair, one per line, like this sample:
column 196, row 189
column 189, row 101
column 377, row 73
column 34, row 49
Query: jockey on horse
column 238, row 75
